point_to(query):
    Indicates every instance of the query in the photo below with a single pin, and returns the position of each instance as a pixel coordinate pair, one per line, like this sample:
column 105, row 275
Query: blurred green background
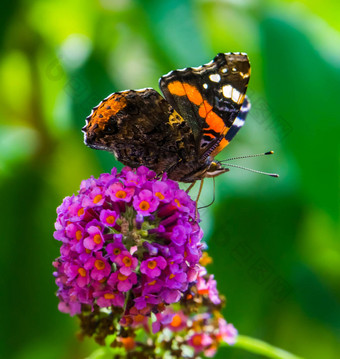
column 275, row 242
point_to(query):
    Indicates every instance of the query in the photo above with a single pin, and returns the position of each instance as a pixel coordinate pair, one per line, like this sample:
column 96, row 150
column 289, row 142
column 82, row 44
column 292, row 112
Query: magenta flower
column 108, row 217
column 152, row 267
column 118, row 192
column 107, row 298
column 115, row 248
column 122, row 282
column 177, row 280
column 99, row 267
column 126, row 262
column 95, row 240
column 162, row 191
column 145, row 203
column 95, row 197
column 200, row 341
column 227, row 332
column 208, row 287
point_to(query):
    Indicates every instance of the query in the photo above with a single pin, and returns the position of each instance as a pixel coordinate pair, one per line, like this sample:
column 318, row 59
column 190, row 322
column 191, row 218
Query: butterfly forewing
column 209, row 98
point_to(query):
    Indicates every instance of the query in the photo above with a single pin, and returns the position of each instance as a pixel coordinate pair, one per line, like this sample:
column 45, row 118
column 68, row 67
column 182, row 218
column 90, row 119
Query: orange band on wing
column 204, row 109
column 214, row 121
column 184, row 89
column 220, row 147
column 176, row 88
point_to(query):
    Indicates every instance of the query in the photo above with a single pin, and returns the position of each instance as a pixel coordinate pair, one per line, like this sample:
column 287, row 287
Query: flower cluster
column 190, row 328
column 129, row 241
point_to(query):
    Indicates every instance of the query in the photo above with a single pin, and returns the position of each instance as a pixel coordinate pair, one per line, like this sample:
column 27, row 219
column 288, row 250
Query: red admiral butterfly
column 203, row 109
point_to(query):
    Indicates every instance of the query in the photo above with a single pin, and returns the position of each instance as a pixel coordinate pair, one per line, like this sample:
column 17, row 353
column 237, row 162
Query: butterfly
column 202, row 110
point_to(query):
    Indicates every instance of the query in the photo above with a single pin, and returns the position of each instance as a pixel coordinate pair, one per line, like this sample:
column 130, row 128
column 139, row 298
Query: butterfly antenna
column 248, row 156
column 255, row 171
column 213, row 200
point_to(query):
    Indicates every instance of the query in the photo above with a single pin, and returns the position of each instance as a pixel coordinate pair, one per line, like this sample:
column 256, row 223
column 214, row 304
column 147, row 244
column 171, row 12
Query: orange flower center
column 152, row 283
column 129, row 343
column 82, row 272
column 121, row 277
column 127, row 261
column 152, row 264
column 79, row 235
column 80, row 212
column 197, row 340
column 109, row 296
column 177, row 202
column 159, row 195
column 176, row 321
column 97, row 239
column 116, row 251
column 110, row 219
column 144, row 205
column 203, row 291
column 171, row 276
column 97, row 198
column 121, row 194
column 100, row 265
column 139, row 318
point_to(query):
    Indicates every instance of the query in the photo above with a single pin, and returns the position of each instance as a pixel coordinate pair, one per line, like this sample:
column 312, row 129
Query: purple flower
column 126, row 262
column 122, row 282
column 152, row 267
column 115, row 249
column 207, row 286
column 142, row 301
column 95, row 240
column 118, row 192
column 171, row 295
column 227, row 332
column 99, row 267
column 177, row 281
column 180, row 233
column 145, row 203
column 108, row 217
column 96, row 197
column 108, row 298
column 162, row 191
column 200, row 341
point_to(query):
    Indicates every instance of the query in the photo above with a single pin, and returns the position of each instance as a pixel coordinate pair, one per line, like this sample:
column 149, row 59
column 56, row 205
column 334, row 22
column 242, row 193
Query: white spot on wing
column 226, row 89
column 215, row 78
column 224, row 70
column 235, row 95
column 205, row 86
column 238, row 122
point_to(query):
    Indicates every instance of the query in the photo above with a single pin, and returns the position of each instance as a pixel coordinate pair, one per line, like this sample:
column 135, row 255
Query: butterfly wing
column 210, row 98
column 140, row 128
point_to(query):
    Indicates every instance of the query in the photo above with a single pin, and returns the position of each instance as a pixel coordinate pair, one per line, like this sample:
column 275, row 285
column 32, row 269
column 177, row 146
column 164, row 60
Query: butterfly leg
column 213, row 200
column 189, row 188
column 198, row 196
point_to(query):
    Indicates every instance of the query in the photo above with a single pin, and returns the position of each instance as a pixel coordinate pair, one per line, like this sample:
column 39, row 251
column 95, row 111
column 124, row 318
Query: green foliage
column 274, row 242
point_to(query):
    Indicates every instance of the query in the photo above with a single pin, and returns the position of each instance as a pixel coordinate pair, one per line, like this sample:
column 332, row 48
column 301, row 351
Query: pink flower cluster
column 196, row 322
column 129, row 240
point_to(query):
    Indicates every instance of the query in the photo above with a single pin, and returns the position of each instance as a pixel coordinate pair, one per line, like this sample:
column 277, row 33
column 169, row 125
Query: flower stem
column 259, row 347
